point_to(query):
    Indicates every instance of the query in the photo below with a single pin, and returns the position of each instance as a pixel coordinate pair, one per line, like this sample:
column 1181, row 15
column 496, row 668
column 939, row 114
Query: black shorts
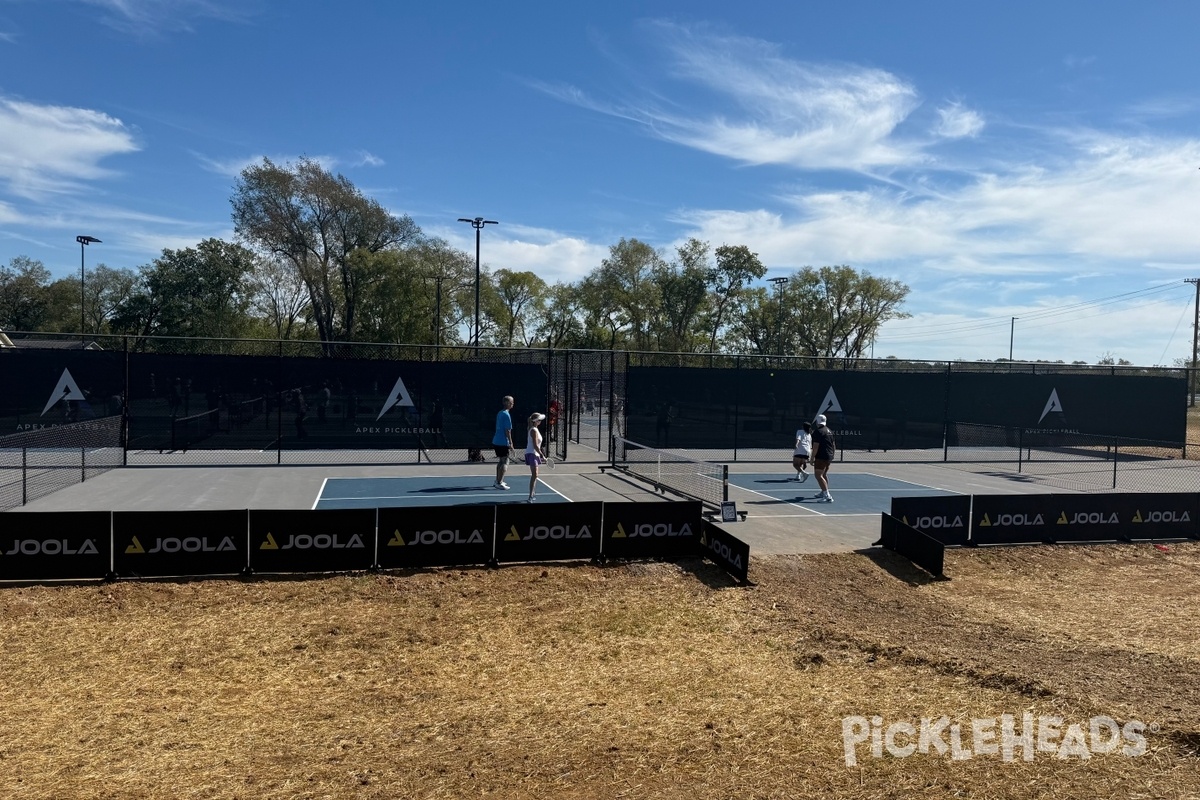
column 501, row 450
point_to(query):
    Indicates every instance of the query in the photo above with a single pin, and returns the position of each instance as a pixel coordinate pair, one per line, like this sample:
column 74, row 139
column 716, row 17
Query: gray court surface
column 781, row 517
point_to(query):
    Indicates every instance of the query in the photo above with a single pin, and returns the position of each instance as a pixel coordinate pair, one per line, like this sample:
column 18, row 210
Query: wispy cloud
column 233, row 167
column 366, row 159
column 156, row 17
column 47, row 149
column 767, row 108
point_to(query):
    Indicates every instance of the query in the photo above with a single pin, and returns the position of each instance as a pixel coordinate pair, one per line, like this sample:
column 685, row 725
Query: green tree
column 559, row 324
column 24, row 300
column 683, row 289
column 736, row 267
column 314, row 221
column 196, row 291
column 836, row 312
column 621, row 294
column 278, row 297
column 515, row 299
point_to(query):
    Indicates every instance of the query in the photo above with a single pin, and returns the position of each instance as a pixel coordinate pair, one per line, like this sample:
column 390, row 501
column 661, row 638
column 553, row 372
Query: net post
column 724, row 483
column 24, row 475
column 82, row 464
column 1116, row 441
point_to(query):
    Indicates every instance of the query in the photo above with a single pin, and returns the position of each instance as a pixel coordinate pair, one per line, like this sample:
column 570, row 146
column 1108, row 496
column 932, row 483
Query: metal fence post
column 1115, row 459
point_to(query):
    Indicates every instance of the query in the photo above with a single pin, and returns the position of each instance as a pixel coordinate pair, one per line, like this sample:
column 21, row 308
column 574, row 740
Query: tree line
column 316, row 259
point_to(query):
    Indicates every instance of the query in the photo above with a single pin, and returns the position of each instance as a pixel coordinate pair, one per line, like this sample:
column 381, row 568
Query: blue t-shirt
column 503, row 426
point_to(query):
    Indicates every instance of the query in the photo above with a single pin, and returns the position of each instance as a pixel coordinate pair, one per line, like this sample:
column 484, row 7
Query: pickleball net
column 669, row 471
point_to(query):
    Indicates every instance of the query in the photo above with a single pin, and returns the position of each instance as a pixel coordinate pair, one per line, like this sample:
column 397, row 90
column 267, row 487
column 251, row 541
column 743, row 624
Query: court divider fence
column 103, row 545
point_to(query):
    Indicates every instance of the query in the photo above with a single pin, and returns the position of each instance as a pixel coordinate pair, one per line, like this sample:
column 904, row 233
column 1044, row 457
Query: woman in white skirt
column 533, row 450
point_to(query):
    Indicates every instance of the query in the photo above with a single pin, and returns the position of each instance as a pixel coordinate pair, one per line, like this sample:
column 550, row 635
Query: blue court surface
column 853, row 492
column 428, row 491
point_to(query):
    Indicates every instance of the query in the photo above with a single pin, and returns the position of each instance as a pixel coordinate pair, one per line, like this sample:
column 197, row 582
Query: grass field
column 583, row 681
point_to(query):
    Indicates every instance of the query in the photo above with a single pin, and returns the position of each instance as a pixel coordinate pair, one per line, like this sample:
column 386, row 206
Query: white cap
column 820, row 420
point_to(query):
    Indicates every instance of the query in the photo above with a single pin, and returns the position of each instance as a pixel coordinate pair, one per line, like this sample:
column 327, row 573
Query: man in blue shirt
column 502, row 441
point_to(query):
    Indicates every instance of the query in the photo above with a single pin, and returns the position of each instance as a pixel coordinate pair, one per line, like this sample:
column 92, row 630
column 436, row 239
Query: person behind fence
column 533, row 451
column 436, row 420
column 323, row 402
column 825, row 448
column 802, row 451
column 301, row 406
column 502, row 441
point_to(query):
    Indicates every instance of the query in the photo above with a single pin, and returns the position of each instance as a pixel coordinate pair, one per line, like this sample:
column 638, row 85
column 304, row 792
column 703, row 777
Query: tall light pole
column 84, row 241
column 477, row 223
column 1195, row 340
column 1012, row 329
column 779, row 282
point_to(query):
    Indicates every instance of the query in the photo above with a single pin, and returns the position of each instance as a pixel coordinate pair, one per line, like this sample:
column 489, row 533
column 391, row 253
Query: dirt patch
column 653, row 680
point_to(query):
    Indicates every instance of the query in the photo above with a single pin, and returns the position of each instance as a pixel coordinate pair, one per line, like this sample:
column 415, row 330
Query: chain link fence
column 37, row 462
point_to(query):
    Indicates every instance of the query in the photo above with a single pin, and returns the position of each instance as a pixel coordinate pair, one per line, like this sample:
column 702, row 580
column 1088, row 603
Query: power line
column 991, row 324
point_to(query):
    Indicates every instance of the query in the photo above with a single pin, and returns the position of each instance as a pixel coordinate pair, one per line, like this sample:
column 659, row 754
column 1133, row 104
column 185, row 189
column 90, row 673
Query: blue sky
column 1021, row 159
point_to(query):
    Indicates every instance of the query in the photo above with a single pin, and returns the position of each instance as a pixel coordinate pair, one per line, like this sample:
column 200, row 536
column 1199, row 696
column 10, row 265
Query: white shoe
column 828, row 498
column 803, row 477
column 819, row 496
column 500, row 485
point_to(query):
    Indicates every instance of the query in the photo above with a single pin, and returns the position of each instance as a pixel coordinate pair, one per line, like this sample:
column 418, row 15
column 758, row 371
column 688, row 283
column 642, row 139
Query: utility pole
column 1195, row 341
column 1012, row 329
column 779, row 282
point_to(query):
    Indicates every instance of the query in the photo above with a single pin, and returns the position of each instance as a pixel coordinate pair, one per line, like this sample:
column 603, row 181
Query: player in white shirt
column 803, row 450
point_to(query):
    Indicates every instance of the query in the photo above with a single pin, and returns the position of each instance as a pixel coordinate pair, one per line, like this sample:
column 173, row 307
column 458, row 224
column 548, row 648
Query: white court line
column 781, row 500
column 901, row 480
column 320, row 493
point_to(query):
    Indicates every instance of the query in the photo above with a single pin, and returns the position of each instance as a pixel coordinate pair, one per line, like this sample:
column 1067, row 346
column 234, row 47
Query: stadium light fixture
column 1012, row 329
column 477, row 223
column 84, row 241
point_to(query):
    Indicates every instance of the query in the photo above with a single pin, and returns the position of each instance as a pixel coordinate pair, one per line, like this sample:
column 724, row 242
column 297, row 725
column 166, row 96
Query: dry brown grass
column 651, row 680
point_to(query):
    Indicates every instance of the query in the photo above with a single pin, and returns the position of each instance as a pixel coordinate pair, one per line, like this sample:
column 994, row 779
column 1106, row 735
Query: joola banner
column 946, row 518
column 55, row 545
column 442, row 536
column 551, row 532
column 162, row 543
column 1108, row 517
column 312, row 541
column 651, row 530
column 725, row 550
column 1167, row 515
column 1012, row 519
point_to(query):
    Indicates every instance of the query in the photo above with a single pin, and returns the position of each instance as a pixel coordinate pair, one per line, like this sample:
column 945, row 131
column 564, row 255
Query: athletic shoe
column 819, row 496
column 803, row 477
column 500, row 485
column 827, row 499
column 530, row 500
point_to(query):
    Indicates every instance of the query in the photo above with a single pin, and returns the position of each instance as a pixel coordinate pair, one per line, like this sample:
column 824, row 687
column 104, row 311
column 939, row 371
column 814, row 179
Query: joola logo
column 51, row 547
column 1162, row 516
column 929, row 522
column 722, row 551
column 189, row 544
column 1089, row 518
column 650, row 530
column 435, row 537
column 542, row 532
column 1011, row 520
column 322, row 541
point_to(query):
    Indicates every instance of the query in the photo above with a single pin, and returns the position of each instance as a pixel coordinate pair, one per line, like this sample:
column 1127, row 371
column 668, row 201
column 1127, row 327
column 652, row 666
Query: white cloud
column 956, row 122
column 54, row 149
column 553, row 256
